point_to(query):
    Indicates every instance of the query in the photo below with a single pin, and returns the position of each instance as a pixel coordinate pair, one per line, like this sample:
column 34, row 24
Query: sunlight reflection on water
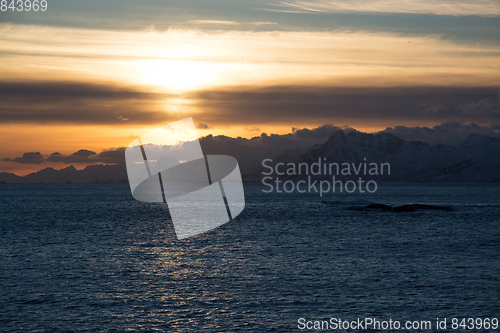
column 85, row 257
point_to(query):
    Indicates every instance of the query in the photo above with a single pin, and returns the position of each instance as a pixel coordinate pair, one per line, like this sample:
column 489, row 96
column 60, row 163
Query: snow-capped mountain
column 475, row 159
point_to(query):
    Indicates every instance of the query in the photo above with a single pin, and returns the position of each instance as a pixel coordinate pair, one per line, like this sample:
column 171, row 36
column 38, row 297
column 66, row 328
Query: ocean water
column 77, row 257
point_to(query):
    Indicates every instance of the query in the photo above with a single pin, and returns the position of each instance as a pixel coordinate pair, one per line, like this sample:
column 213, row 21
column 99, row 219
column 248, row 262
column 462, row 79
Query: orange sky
column 166, row 72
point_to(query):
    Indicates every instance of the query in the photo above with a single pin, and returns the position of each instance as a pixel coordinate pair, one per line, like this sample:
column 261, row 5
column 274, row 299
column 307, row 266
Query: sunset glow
column 101, row 86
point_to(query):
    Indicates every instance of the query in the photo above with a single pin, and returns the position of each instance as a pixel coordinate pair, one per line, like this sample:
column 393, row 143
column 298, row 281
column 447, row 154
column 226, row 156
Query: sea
column 89, row 258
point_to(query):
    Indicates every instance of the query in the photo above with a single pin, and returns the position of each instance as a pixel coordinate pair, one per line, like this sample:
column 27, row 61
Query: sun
column 177, row 75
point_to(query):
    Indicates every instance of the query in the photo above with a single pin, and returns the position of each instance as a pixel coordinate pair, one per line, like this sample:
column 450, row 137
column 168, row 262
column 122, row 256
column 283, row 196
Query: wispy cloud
column 190, row 60
column 214, row 22
column 435, row 7
column 228, row 24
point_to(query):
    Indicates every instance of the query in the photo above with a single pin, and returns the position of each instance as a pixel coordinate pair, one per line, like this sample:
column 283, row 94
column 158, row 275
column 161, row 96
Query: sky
column 90, row 76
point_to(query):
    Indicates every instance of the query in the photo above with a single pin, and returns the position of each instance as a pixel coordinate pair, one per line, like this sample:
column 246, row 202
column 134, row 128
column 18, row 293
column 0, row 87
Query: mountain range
column 100, row 173
column 476, row 159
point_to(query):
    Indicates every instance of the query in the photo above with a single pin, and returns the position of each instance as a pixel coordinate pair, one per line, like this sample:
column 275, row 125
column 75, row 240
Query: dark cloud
column 66, row 102
column 286, row 105
column 452, row 132
column 83, row 156
column 202, row 126
column 484, row 107
column 62, row 102
column 116, row 155
column 27, row 158
column 495, row 127
column 321, row 132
